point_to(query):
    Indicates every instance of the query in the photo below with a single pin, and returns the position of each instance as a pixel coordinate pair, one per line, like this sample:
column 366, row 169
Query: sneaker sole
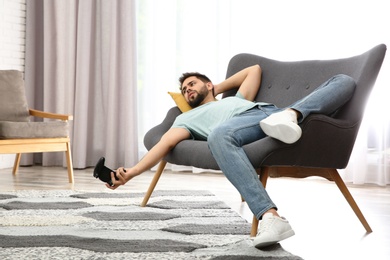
column 287, row 133
column 262, row 244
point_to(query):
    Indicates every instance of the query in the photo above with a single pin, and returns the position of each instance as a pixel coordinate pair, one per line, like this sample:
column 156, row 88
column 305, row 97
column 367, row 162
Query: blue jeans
column 226, row 141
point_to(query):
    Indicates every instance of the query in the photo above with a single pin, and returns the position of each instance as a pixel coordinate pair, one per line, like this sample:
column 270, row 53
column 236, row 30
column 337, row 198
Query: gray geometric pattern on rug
column 94, row 244
column 21, row 205
column 7, row 196
column 157, row 193
column 111, row 225
column 217, row 229
column 171, row 204
column 127, row 216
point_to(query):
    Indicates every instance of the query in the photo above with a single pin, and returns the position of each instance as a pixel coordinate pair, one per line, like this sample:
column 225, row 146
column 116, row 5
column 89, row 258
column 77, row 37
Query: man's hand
column 169, row 140
column 124, row 175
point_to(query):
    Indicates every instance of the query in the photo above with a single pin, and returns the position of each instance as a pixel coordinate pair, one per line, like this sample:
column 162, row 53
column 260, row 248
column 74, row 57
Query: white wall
column 12, row 46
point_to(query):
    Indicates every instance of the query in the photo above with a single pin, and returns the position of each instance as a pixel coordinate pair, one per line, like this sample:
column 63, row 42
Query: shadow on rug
column 111, row 225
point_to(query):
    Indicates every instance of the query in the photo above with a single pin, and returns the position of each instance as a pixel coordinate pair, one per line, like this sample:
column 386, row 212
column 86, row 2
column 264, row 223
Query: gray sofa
column 326, row 143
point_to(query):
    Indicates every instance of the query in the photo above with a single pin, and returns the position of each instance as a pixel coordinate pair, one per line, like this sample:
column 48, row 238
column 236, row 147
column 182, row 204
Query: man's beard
column 201, row 95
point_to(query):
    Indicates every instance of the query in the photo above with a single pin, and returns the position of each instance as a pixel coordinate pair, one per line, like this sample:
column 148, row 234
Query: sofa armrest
column 154, row 135
column 326, row 142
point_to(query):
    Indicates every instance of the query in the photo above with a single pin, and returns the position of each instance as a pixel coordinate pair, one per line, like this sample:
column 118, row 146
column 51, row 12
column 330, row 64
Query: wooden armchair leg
column 255, row 224
column 263, row 176
column 16, row 163
column 69, row 163
column 153, row 184
column 344, row 190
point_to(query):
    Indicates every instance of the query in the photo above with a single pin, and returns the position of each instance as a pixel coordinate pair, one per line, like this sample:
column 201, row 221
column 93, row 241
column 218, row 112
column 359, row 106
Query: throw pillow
column 180, row 101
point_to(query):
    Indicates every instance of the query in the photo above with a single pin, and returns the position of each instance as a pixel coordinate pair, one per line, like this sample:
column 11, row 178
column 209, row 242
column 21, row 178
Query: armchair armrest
column 326, row 142
column 154, row 135
column 43, row 114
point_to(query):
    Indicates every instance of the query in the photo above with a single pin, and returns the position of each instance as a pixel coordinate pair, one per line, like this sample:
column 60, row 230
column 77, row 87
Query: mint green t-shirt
column 201, row 120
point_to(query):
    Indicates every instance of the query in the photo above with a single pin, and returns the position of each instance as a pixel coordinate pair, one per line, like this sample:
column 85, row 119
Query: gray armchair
column 18, row 134
column 326, row 143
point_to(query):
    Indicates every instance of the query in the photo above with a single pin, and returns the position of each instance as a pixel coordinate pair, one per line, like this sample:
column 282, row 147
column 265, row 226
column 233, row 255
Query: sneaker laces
column 265, row 224
column 292, row 117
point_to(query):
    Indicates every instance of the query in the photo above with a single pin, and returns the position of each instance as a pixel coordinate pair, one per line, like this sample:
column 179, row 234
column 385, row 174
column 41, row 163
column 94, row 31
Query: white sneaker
column 282, row 126
column 272, row 230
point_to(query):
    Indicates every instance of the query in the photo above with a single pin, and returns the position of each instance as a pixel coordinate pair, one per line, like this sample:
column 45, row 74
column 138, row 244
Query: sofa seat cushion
column 50, row 129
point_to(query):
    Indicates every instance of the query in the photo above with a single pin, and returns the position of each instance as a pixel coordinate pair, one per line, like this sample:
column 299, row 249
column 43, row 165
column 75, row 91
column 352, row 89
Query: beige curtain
column 81, row 60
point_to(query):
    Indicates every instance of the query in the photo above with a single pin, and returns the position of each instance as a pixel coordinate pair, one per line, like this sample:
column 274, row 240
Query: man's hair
column 186, row 75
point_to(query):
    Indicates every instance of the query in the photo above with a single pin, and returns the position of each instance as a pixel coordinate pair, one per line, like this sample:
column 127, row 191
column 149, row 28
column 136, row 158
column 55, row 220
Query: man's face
column 194, row 91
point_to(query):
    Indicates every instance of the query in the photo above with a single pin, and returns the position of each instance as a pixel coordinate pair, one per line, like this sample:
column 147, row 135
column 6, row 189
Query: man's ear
column 209, row 85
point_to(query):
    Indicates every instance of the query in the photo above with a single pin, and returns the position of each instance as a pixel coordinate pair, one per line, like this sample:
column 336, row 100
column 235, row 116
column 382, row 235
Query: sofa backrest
column 286, row 82
column 13, row 102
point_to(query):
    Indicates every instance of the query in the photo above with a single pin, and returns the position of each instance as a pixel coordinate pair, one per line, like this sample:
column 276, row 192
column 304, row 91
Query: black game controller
column 103, row 173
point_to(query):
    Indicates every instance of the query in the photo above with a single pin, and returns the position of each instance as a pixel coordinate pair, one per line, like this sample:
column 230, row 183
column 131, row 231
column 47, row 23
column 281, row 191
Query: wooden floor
column 325, row 225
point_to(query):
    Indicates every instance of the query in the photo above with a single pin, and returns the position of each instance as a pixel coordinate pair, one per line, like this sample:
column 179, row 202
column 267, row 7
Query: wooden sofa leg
column 153, row 184
column 16, row 163
column 344, row 190
column 255, row 225
column 69, row 163
column 263, row 176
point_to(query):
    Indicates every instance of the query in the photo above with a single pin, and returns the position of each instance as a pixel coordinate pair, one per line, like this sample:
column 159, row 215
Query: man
column 232, row 122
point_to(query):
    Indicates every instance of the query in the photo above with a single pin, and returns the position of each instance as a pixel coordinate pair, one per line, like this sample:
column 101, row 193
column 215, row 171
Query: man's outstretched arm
column 247, row 80
column 168, row 141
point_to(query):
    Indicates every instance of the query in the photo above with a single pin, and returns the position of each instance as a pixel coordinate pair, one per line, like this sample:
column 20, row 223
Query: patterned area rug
column 111, row 225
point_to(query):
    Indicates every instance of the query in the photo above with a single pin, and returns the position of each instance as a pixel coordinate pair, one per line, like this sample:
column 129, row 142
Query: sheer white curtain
column 81, row 60
column 203, row 35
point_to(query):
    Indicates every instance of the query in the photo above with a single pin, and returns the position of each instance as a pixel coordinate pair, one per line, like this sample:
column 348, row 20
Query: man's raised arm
column 247, row 80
